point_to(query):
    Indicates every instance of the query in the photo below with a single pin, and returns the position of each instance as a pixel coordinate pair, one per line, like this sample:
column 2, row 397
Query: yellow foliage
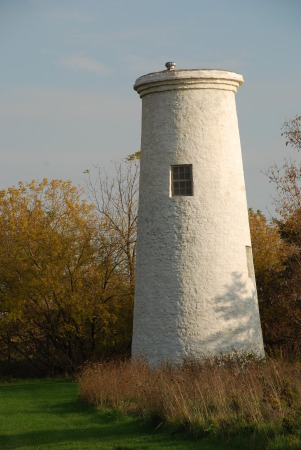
column 269, row 250
column 60, row 290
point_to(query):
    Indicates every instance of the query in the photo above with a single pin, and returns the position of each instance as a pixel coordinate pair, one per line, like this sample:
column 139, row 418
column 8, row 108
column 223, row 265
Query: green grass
column 46, row 414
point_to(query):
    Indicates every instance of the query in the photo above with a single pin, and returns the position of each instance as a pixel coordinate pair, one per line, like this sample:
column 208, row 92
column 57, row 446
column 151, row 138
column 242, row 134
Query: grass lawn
column 45, row 414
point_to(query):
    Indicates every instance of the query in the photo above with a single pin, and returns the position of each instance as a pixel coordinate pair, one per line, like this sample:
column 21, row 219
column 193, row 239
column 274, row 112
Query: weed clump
column 231, row 397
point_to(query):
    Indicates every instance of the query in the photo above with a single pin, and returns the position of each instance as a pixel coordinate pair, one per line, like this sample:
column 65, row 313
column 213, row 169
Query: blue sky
column 68, row 69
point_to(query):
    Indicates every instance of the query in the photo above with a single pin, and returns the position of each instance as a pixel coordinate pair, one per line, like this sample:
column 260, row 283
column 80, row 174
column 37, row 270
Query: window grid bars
column 181, row 180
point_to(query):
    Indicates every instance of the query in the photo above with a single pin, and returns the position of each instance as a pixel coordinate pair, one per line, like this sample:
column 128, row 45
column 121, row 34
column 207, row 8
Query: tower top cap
column 172, row 79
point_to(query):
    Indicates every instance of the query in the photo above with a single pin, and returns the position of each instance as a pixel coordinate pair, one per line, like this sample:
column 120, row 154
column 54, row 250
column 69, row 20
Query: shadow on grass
column 49, row 415
column 127, row 435
column 108, row 435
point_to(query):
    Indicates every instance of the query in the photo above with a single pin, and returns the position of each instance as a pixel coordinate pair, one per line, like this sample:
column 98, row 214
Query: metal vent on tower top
column 170, row 65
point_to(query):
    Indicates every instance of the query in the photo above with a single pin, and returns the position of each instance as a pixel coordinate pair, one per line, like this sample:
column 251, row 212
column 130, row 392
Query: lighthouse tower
column 195, row 291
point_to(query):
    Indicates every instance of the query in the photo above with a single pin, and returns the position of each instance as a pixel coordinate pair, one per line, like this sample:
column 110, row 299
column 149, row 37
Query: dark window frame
column 181, row 180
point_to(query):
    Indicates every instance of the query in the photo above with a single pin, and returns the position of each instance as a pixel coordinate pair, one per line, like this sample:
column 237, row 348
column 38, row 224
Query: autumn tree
column 269, row 251
column 62, row 281
column 115, row 199
column 270, row 254
column 287, row 178
column 287, row 182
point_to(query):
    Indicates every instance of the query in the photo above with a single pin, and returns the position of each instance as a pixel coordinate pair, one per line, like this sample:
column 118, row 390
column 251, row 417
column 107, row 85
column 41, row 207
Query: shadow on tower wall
column 237, row 311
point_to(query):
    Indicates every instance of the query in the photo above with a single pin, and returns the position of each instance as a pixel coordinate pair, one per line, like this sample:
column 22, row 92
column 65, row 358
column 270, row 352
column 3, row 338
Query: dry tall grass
column 222, row 395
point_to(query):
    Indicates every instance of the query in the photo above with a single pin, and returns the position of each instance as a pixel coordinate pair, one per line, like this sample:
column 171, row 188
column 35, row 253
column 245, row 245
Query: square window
column 181, row 180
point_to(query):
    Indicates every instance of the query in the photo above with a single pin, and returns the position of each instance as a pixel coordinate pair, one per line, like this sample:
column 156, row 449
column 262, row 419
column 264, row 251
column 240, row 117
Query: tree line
column 67, row 266
column 67, row 260
column 277, row 253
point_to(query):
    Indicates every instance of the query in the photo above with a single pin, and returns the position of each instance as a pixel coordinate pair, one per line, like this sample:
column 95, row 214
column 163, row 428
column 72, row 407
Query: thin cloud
column 156, row 33
column 138, row 65
column 40, row 2
column 71, row 15
column 62, row 14
column 85, row 64
column 31, row 104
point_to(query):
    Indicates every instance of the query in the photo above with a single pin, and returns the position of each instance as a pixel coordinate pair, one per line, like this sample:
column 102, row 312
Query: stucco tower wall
column 194, row 294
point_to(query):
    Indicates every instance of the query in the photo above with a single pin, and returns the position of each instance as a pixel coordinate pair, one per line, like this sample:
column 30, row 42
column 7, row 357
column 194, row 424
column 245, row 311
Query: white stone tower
column 195, row 290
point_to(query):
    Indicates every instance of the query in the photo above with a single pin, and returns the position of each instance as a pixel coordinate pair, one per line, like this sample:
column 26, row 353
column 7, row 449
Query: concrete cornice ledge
column 188, row 79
